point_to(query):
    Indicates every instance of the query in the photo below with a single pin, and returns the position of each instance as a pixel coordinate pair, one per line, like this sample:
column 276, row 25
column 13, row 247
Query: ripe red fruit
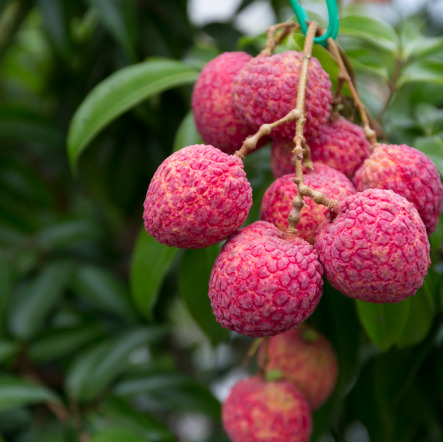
column 197, row 197
column 212, row 107
column 408, row 172
column 265, row 90
column 376, row 249
column 305, row 358
column 277, row 200
column 340, row 144
column 264, row 282
column 258, row 411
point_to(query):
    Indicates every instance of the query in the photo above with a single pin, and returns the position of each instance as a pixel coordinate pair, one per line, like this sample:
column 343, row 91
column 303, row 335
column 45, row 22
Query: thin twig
column 272, row 40
column 369, row 132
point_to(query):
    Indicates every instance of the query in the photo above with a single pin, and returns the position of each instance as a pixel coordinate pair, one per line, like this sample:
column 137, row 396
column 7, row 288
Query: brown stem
column 272, row 40
column 250, row 143
column 369, row 132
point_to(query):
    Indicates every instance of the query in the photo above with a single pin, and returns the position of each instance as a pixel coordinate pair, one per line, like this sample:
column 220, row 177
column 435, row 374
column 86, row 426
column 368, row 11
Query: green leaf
column 120, row 20
column 193, row 279
column 433, row 148
column 384, row 323
column 429, row 118
column 8, row 349
column 420, row 320
column 151, row 262
column 376, row 32
column 117, row 435
column 7, row 279
column 120, row 92
column 59, row 342
column 97, row 367
column 421, row 71
column 102, row 289
column 16, row 392
column 415, row 44
column 186, row 134
column 34, row 299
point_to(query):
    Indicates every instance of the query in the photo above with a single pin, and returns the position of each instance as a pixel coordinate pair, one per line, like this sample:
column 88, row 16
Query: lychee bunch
column 277, row 200
column 264, row 282
column 212, row 107
column 265, row 90
column 408, row 172
column 376, row 249
column 259, row 411
column 197, row 197
column 304, row 357
column 340, row 144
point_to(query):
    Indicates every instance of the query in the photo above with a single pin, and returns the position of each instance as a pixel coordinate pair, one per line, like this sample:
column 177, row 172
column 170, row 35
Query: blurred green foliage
column 106, row 335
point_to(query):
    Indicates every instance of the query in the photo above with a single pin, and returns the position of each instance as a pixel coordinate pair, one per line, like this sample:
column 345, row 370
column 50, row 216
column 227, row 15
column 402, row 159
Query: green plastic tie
column 302, row 18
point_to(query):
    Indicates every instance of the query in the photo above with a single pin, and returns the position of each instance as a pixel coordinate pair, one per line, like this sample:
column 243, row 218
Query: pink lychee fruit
column 264, row 282
column 197, row 197
column 408, row 172
column 259, row 411
column 212, row 107
column 277, row 200
column 282, row 157
column 265, row 90
column 340, row 144
column 376, row 249
column 304, row 357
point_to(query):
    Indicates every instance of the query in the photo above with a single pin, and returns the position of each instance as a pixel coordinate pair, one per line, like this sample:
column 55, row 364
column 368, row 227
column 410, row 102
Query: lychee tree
column 326, row 281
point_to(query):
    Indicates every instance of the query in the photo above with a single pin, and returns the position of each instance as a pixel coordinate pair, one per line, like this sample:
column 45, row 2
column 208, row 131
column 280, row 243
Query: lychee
column 212, row 107
column 259, row 411
column 264, row 282
column 408, row 172
column 340, row 144
column 277, row 200
column 282, row 157
column 376, row 249
column 304, row 357
column 197, row 197
column 265, row 90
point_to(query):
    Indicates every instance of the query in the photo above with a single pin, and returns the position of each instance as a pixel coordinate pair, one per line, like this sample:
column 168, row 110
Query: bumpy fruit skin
column 264, row 282
column 408, row 172
column 305, row 358
column 197, row 197
column 277, row 200
column 265, row 90
column 212, row 107
column 376, row 249
column 281, row 157
column 258, row 411
column 340, row 144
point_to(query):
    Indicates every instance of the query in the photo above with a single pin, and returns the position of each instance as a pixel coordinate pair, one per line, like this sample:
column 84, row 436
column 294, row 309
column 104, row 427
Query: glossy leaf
column 117, row 435
column 376, row 32
column 102, row 289
column 421, row 71
column 34, row 299
column 120, row 92
column 433, row 148
column 151, row 262
column 97, row 367
column 187, row 134
column 193, row 284
column 384, row 323
column 16, row 392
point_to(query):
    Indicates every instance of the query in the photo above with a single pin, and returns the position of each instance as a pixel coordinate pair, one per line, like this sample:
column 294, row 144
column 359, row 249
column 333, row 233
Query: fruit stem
column 272, row 41
column 300, row 142
column 344, row 76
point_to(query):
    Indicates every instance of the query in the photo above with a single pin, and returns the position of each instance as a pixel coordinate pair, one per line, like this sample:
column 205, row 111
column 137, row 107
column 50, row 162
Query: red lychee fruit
column 305, row 358
column 264, row 282
column 265, row 90
column 376, row 249
column 282, row 157
column 340, row 144
column 212, row 107
column 277, row 200
column 197, row 197
column 408, row 172
column 259, row 411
